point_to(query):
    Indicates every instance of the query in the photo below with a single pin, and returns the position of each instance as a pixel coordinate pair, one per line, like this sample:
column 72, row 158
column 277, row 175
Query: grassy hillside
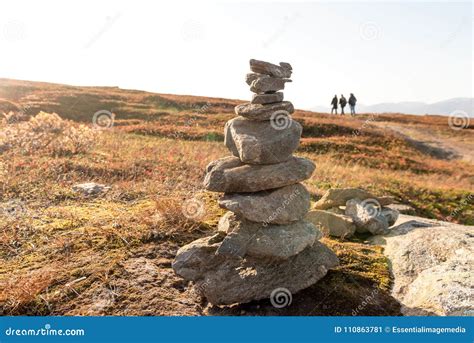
column 65, row 253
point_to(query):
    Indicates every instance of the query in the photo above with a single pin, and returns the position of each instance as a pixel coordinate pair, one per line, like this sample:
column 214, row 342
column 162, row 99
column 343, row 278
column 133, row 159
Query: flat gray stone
column 230, row 175
column 224, row 281
column 246, row 238
column 90, row 188
column 332, row 224
column 251, row 77
column 265, row 83
column 278, row 206
column 262, row 142
column 264, row 112
column 267, row 98
column 339, row 196
column 283, row 70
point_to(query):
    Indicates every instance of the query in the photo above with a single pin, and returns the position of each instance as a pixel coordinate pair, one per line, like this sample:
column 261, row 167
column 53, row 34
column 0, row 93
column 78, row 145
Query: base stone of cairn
column 263, row 243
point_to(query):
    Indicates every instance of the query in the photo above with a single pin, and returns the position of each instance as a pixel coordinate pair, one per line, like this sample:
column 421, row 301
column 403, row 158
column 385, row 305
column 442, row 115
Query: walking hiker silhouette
column 352, row 104
column 334, row 104
column 343, row 103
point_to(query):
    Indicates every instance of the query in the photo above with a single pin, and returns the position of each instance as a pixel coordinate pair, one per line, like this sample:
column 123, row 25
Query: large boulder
column 367, row 216
column 230, row 175
column 264, row 112
column 276, row 242
column 433, row 266
column 261, row 67
column 339, row 196
column 224, row 281
column 332, row 224
column 262, row 142
column 278, row 206
column 444, row 290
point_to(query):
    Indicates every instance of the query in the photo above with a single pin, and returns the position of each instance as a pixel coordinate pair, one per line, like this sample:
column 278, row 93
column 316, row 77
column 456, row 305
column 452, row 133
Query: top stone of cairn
column 261, row 67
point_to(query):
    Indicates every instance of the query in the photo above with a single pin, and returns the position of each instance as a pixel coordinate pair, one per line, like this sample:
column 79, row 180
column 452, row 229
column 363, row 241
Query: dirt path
column 440, row 144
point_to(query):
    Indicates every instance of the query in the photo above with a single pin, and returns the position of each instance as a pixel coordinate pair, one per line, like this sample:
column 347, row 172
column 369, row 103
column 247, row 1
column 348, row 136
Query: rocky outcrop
column 433, row 266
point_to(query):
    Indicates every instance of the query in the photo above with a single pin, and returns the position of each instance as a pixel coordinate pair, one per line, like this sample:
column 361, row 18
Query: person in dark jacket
column 352, row 104
column 334, row 104
column 343, row 103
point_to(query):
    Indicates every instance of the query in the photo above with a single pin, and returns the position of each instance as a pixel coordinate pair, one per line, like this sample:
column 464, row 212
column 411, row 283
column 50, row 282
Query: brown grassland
column 63, row 253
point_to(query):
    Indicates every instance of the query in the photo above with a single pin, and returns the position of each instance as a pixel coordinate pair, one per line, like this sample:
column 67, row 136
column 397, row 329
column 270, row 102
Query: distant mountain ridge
column 444, row 107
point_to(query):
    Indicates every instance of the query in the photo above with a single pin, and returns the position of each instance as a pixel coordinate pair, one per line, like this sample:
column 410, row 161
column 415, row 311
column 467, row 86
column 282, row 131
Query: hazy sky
column 394, row 51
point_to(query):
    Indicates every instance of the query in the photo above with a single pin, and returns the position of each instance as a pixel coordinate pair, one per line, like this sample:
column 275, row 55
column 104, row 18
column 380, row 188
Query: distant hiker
column 334, row 104
column 343, row 103
column 352, row 104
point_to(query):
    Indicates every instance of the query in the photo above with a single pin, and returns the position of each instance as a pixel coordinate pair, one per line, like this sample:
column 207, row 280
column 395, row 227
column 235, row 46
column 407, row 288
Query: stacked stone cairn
column 263, row 244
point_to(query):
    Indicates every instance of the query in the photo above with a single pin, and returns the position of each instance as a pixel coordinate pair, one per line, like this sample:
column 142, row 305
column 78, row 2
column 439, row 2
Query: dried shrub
column 47, row 133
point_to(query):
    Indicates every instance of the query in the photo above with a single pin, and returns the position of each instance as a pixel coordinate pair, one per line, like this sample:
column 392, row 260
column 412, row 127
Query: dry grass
column 63, row 253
